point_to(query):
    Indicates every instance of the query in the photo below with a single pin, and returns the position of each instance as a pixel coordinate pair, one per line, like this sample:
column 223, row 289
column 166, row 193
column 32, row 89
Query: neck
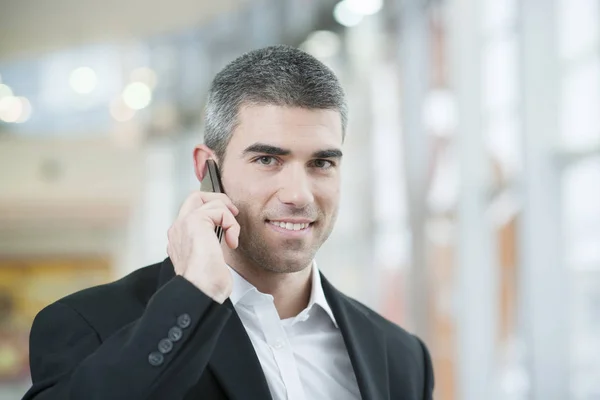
column 290, row 291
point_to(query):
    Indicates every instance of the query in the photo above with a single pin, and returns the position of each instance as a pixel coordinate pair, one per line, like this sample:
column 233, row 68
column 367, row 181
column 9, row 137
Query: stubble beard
column 255, row 251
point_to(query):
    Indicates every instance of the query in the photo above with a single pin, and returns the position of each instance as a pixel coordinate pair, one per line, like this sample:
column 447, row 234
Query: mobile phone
column 212, row 183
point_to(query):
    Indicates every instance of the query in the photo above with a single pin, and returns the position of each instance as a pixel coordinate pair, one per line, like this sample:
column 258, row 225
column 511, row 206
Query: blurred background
column 471, row 188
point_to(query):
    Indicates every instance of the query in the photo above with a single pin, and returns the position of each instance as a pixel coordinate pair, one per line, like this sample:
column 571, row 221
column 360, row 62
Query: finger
column 217, row 203
column 210, row 196
column 225, row 199
column 221, row 216
column 197, row 199
column 191, row 203
column 232, row 230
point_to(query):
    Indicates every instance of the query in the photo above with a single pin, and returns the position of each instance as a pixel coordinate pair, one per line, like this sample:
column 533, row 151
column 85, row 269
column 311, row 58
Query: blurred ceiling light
column 322, row 44
column 364, row 7
column 83, row 80
column 144, row 75
column 5, row 91
column 137, row 95
column 120, row 111
column 25, row 110
column 11, row 109
column 344, row 15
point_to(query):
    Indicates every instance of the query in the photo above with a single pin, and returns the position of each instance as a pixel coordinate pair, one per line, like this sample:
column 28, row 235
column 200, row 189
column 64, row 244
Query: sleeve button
column 155, row 359
column 165, row 346
column 184, row 320
column 175, row 334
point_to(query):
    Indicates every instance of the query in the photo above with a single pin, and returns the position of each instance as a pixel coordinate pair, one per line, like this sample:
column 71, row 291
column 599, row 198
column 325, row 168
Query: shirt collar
column 244, row 293
column 317, row 295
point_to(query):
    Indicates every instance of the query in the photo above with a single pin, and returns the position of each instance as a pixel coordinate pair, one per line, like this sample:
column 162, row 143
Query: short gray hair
column 275, row 75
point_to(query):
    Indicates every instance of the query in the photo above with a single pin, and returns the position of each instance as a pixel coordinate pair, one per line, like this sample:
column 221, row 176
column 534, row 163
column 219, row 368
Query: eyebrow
column 262, row 148
column 329, row 153
column 266, row 149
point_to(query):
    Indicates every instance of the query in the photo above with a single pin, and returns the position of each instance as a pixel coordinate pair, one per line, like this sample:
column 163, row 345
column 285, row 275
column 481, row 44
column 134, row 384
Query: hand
column 194, row 247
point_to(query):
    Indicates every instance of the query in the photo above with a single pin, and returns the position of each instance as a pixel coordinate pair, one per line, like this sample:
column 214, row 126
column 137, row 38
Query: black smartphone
column 212, row 183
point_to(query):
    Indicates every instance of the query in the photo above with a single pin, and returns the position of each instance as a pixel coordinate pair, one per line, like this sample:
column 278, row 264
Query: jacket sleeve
column 164, row 351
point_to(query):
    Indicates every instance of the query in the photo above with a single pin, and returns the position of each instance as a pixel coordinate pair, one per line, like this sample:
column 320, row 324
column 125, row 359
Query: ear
column 201, row 154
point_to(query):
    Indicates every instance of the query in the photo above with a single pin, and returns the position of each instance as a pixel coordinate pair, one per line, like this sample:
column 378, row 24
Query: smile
column 290, row 226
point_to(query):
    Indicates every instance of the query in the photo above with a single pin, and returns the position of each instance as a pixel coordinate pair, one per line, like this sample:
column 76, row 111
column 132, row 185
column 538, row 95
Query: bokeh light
column 25, row 110
column 11, row 108
column 364, row 7
column 345, row 16
column 5, row 91
column 137, row 95
column 83, row 80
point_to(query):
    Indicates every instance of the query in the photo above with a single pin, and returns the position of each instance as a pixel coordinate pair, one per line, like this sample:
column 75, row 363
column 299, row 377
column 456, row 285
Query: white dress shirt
column 304, row 357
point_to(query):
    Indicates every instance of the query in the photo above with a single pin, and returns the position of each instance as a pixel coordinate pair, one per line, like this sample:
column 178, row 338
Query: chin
column 285, row 269
column 280, row 263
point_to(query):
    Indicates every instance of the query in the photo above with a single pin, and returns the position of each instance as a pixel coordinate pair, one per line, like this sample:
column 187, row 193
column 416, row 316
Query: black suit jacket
column 103, row 343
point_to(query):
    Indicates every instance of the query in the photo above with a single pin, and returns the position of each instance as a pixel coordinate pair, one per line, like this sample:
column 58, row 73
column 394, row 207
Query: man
column 251, row 317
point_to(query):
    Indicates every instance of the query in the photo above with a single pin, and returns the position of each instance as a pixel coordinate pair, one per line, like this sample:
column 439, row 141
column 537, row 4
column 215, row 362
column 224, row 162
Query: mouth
column 291, row 226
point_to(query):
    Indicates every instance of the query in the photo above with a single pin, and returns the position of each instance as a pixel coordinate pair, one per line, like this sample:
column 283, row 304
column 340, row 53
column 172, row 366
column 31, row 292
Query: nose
column 295, row 188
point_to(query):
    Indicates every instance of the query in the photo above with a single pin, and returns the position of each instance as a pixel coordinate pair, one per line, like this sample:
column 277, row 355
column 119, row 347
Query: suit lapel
column 234, row 361
column 365, row 344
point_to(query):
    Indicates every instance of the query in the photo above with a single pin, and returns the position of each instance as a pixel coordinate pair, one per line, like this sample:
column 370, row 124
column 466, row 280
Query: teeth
column 289, row 225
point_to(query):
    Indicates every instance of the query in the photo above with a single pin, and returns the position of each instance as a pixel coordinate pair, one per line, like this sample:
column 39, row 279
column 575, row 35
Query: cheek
column 328, row 195
column 250, row 196
column 238, row 187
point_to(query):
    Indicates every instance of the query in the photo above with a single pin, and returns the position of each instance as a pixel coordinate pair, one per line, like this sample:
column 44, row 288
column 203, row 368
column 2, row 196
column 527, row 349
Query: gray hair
column 275, row 75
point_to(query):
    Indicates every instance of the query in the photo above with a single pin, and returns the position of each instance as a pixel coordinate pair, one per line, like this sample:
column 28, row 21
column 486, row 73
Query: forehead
column 287, row 126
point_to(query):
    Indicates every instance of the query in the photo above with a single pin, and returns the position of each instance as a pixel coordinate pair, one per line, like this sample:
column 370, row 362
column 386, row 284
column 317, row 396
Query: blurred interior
column 471, row 188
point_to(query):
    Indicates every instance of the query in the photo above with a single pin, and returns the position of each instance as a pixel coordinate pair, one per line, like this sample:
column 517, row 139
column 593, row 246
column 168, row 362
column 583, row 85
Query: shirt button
column 155, row 359
column 184, row 321
column 165, row 346
column 175, row 333
column 279, row 344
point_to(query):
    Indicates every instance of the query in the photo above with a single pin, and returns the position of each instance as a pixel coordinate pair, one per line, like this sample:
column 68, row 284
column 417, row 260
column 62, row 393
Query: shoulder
column 135, row 286
column 399, row 340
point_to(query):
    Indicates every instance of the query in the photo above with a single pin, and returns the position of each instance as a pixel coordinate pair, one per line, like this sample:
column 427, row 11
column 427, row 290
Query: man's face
column 282, row 170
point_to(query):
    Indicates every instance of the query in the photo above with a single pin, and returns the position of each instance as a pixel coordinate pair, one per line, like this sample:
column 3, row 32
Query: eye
column 265, row 160
column 323, row 164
